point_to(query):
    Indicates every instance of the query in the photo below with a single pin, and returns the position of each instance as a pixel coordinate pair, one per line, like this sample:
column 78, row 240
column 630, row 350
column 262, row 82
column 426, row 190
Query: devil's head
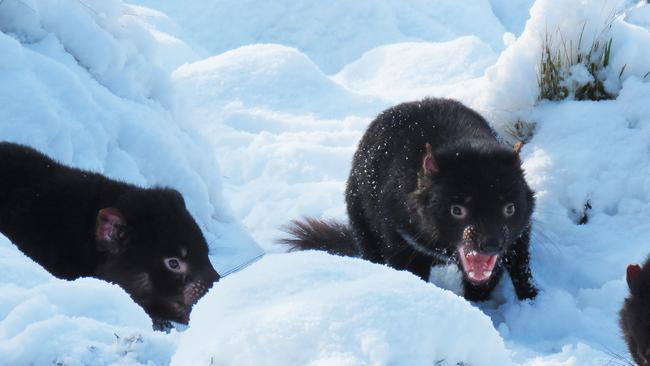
column 155, row 251
column 472, row 204
column 635, row 315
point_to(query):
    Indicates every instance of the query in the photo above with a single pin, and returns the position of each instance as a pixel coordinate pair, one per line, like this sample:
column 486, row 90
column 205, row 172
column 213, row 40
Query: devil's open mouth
column 478, row 267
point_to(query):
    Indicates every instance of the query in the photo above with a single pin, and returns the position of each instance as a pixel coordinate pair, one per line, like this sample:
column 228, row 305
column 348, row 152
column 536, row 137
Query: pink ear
column 632, row 271
column 428, row 162
column 517, row 147
column 109, row 224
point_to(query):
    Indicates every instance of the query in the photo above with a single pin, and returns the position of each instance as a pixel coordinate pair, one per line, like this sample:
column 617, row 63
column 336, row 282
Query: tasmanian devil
column 430, row 184
column 635, row 314
column 76, row 223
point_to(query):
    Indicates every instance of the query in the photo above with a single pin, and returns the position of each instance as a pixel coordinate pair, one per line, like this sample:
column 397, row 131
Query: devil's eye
column 175, row 265
column 458, row 211
column 509, row 209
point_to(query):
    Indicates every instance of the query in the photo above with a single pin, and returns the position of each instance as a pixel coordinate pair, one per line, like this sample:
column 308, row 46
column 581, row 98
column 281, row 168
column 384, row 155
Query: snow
column 266, row 76
column 512, row 13
column 407, row 71
column 46, row 321
column 293, row 317
column 253, row 110
column 331, row 34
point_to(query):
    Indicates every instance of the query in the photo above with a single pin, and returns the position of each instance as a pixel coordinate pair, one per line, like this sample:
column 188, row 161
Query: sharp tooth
column 471, row 273
column 487, row 273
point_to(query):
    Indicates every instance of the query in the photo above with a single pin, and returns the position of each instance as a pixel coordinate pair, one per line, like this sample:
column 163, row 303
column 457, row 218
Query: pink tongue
column 478, row 267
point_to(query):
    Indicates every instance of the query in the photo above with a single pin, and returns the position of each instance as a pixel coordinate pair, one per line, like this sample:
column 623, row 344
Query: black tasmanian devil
column 430, row 184
column 76, row 223
column 635, row 314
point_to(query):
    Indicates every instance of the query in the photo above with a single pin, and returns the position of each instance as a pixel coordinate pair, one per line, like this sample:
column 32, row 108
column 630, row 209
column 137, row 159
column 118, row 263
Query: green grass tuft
column 555, row 79
column 551, row 74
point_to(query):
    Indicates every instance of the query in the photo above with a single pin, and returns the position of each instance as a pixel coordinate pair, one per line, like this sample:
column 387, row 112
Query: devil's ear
column 516, row 148
column 632, row 271
column 428, row 161
column 110, row 230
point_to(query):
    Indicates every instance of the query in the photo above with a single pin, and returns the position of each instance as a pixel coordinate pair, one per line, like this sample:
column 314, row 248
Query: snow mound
column 86, row 321
column 311, row 308
column 113, row 46
column 331, row 33
column 277, row 124
column 274, row 77
column 81, row 83
column 410, row 71
column 509, row 89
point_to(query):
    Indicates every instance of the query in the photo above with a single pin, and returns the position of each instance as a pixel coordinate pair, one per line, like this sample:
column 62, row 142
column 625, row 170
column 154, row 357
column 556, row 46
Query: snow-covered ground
column 252, row 109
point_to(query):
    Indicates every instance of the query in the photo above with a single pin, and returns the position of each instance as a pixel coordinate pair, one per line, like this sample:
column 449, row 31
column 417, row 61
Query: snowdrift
column 409, row 71
column 273, row 77
column 46, row 321
column 312, row 308
column 335, row 33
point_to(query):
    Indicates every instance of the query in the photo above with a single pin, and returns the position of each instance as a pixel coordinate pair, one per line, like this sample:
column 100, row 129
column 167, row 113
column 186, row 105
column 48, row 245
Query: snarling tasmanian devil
column 430, row 185
column 80, row 224
column 635, row 314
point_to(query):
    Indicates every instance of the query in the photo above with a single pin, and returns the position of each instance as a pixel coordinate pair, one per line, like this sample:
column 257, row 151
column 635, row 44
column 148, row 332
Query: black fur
column 635, row 316
column 330, row 236
column 399, row 200
column 81, row 224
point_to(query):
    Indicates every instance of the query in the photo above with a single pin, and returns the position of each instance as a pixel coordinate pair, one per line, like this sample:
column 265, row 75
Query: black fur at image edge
column 635, row 314
column 76, row 223
column 430, row 185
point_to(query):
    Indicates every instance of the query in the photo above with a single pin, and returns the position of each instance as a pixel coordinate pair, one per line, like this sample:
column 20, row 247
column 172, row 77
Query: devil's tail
column 327, row 235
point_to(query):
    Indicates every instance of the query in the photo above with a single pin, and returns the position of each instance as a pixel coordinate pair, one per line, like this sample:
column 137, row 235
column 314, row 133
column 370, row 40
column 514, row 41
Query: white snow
column 407, row 71
column 253, row 109
column 46, row 321
column 266, row 76
column 332, row 34
column 327, row 310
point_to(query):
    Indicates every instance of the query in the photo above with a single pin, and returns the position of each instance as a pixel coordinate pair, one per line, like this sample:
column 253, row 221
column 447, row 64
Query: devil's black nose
column 491, row 245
